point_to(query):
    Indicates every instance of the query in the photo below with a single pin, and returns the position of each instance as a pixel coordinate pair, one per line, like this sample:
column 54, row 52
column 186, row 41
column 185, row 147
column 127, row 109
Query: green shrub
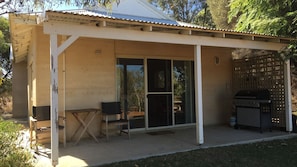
column 11, row 153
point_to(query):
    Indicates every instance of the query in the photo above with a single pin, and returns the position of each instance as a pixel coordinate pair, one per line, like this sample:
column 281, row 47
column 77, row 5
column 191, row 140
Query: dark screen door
column 159, row 93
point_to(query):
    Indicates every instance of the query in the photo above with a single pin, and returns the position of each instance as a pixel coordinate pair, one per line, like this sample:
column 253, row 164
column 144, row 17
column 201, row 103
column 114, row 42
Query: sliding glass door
column 184, row 96
column 168, row 91
column 131, row 92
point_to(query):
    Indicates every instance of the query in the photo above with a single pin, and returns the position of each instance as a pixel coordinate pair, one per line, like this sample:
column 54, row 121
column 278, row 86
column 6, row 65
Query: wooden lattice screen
column 263, row 72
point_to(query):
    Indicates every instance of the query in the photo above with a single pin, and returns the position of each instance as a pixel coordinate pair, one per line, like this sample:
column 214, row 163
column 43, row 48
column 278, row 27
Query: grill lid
column 258, row 94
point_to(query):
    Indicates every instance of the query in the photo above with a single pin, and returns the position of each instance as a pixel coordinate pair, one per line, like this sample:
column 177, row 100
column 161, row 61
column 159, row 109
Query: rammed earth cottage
column 165, row 73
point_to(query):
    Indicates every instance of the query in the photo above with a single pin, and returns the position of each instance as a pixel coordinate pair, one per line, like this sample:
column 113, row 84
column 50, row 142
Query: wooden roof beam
column 101, row 24
column 147, row 28
column 186, row 32
column 132, row 35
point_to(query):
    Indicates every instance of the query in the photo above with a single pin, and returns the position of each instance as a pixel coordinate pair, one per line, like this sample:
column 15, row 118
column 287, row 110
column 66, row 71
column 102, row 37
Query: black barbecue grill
column 253, row 109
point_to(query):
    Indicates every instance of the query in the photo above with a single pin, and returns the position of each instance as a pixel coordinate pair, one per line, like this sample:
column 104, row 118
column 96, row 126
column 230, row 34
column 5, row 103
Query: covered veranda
column 185, row 36
column 143, row 145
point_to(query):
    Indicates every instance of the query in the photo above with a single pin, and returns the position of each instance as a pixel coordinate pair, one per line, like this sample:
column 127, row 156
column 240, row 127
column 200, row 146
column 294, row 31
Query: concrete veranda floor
column 142, row 145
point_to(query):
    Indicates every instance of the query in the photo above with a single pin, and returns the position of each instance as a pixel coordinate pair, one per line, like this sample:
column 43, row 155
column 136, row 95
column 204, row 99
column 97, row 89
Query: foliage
column 11, row 153
column 219, row 12
column 5, row 86
column 268, row 17
column 204, row 18
column 5, row 46
column 134, row 87
column 181, row 10
column 5, row 61
column 4, row 27
column 290, row 53
column 95, row 2
column 265, row 16
column 7, row 6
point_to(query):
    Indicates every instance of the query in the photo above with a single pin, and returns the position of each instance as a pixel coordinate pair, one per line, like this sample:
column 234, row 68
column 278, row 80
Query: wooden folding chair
column 40, row 126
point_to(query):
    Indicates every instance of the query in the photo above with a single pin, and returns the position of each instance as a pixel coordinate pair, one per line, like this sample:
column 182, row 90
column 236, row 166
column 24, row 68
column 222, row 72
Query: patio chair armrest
column 32, row 119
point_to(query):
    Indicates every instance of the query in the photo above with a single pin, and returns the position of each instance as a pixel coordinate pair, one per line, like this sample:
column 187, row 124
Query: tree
column 181, row 10
column 204, row 18
column 219, row 12
column 5, row 47
column 7, row 6
column 267, row 17
column 5, row 61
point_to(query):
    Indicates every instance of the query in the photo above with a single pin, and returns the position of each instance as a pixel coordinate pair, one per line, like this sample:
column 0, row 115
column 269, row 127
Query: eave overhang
column 21, row 26
column 82, row 18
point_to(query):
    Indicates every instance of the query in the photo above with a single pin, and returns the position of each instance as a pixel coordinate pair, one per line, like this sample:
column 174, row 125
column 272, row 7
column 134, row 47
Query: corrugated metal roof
column 118, row 16
column 21, row 35
column 156, row 21
column 138, row 18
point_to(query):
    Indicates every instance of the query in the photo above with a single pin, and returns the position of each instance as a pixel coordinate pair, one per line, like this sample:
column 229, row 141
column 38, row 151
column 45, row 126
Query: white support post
column 198, row 96
column 54, row 99
column 288, row 96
